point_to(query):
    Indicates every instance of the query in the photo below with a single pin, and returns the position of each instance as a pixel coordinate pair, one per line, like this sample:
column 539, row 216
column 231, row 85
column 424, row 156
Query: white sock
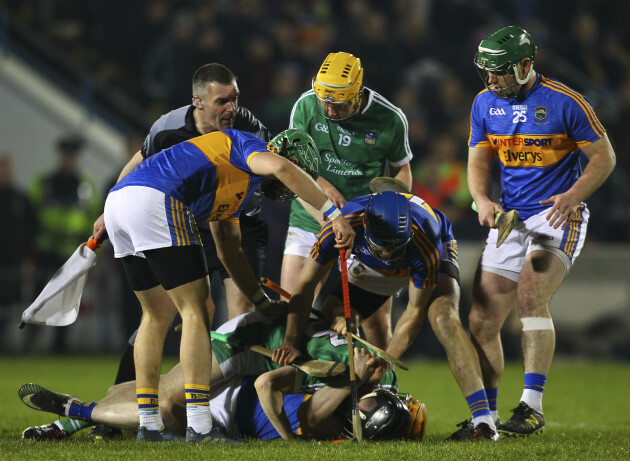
column 484, row 419
column 533, row 399
column 198, row 417
column 151, row 419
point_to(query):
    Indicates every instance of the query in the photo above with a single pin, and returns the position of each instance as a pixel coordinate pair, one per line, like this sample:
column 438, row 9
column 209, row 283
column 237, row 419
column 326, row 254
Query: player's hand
column 486, row 211
column 365, row 365
column 99, row 228
column 285, row 354
column 332, row 192
column 344, row 234
column 564, row 208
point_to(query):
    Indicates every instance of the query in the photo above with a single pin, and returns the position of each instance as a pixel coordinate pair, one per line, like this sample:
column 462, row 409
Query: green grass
column 586, row 405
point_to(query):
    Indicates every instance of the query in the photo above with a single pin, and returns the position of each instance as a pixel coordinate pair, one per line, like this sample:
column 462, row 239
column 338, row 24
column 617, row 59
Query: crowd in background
column 136, row 58
column 417, row 53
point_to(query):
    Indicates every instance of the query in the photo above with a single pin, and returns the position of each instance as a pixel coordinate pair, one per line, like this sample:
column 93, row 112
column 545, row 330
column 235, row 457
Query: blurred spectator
column 16, row 242
column 66, row 203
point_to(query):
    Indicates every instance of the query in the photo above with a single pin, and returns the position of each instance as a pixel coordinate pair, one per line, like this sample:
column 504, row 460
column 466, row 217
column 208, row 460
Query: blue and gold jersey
column 251, row 419
column 209, row 174
column 537, row 138
column 422, row 258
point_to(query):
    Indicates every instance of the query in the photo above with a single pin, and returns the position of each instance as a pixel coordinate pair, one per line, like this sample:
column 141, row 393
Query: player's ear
column 197, row 102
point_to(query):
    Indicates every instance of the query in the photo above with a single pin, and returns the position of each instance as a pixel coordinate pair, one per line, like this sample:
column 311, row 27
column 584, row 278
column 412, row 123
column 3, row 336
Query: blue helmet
column 387, row 225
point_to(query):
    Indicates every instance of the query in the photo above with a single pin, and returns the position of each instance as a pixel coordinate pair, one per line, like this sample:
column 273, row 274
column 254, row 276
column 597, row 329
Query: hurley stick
column 357, row 428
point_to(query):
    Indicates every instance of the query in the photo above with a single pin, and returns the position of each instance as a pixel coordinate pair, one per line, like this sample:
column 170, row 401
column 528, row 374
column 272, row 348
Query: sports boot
column 524, row 422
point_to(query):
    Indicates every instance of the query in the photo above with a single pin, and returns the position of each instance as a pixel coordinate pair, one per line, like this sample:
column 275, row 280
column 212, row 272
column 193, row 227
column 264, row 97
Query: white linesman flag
column 58, row 303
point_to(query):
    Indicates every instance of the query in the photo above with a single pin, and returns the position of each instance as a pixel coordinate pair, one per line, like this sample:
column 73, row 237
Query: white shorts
column 299, row 242
column 223, row 401
column 534, row 233
column 139, row 218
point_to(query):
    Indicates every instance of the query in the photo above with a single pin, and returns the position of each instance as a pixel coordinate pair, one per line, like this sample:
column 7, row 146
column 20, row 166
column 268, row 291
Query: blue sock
column 492, row 401
column 535, row 382
column 81, row 410
column 478, row 404
column 533, row 390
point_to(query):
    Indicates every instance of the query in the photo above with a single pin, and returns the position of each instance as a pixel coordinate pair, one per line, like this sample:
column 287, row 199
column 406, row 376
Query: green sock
column 72, row 425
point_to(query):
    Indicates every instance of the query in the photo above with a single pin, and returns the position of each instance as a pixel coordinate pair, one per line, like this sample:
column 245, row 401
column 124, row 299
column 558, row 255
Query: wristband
column 328, row 207
column 260, row 300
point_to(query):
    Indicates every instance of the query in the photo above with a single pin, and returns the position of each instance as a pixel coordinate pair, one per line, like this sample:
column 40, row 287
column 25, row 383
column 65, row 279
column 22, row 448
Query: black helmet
column 384, row 416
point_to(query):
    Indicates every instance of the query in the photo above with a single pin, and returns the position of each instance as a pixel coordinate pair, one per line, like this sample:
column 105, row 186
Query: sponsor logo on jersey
column 339, row 166
column 527, row 150
column 321, row 127
column 497, row 111
column 370, row 137
column 522, row 141
column 541, row 113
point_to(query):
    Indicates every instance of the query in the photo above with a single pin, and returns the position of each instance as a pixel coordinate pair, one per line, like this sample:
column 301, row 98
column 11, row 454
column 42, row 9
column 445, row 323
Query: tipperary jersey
column 537, row 138
column 251, row 419
column 421, row 261
column 353, row 151
column 209, row 175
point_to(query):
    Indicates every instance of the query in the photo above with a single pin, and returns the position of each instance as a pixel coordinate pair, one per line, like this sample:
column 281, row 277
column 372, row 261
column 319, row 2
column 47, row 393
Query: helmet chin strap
column 522, row 81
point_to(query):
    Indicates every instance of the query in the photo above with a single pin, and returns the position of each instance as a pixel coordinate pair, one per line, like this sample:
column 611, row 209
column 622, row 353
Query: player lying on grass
column 120, row 408
column 400, row 241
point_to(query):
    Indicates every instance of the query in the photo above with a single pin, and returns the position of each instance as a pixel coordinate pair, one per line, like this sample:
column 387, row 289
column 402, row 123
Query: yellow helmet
column 340, row 79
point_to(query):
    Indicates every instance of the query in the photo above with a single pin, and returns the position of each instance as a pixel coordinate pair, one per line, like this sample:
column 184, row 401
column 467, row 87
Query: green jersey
column 321, row 342
column 352, row 152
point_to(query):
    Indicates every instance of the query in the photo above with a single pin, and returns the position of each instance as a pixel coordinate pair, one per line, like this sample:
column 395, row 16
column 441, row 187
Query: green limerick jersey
column 321, row 343
column 353, row 152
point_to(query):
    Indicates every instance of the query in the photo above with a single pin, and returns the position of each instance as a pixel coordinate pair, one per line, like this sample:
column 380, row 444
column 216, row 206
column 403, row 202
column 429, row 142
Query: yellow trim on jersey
column 250, row 156
column 429, row 253
column 583, row 103
column 179, row 222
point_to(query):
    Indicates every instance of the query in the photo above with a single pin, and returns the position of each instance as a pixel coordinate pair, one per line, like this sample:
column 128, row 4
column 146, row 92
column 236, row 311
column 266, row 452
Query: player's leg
column 494, row 296
column 378, row 326
column 541, row 276
column 297, row 248
column 462, row 357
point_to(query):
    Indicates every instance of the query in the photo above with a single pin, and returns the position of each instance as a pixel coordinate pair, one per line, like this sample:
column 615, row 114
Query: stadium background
column 106, row 69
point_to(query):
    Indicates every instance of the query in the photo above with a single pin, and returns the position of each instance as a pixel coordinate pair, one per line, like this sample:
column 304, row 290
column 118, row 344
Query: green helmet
column 299, row 145
column 503, row 51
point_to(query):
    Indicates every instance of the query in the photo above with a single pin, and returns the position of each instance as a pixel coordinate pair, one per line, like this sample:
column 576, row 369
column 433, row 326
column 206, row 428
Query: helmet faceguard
column 298, row 147
column 387, row 223
column 418, row 417
column 384, row 416
column 501, row 54
column 339, row 82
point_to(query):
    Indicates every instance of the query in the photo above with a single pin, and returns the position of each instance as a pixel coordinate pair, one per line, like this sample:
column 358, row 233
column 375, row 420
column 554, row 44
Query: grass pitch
column 587, row 408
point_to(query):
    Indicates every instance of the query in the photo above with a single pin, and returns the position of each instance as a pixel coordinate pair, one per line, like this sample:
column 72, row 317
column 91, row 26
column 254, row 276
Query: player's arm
column 299, row 311
column 479, row 177
column 402, row 173
column 268, row 164
column 601, row 162
column 410, row 321
column 227, row 238
column 271, row 387
column 319, row 415
column 331, row 192
column 99, row 225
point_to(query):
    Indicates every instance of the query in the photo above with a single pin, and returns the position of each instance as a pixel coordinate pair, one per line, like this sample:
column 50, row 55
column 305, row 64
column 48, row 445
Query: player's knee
column 482, row 324
column 444, row 319
column 530, row 303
